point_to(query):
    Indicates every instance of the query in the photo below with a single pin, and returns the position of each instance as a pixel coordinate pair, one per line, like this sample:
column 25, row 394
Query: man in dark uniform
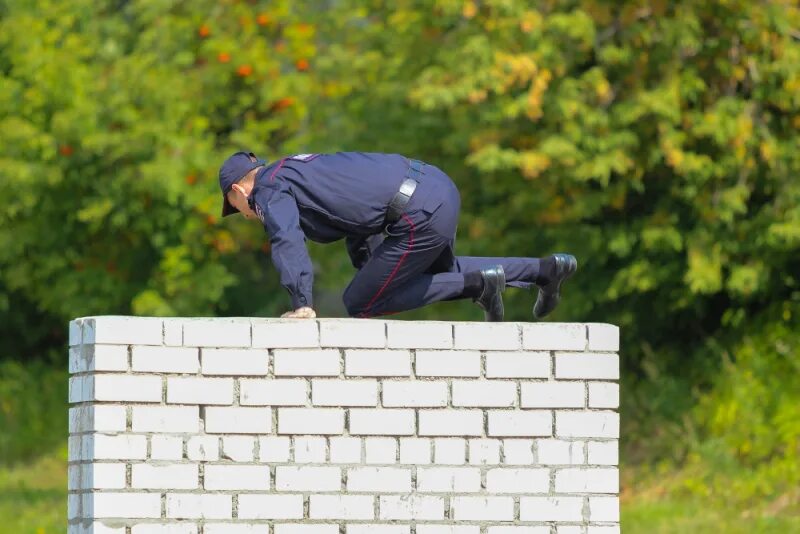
column 398, row 218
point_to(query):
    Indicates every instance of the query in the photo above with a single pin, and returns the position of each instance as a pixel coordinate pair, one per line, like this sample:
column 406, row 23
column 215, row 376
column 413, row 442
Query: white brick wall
column 277, row 426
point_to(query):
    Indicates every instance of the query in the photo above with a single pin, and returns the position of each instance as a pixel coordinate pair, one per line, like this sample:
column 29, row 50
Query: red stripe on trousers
column 394, row 271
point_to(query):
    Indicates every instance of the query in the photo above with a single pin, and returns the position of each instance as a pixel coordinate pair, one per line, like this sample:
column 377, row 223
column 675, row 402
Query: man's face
column 237, row 196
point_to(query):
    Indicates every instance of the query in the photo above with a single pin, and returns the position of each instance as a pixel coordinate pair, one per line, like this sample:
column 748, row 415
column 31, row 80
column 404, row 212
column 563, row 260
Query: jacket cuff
column 300, row 300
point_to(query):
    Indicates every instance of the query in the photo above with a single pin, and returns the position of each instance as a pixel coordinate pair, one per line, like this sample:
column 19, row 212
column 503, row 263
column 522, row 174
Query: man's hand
column 300, row 313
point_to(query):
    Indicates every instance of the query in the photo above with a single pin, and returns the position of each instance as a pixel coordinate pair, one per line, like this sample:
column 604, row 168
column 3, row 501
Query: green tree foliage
column 655, row 140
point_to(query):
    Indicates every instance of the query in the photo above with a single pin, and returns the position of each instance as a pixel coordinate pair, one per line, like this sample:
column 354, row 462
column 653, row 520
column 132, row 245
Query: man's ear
column 239, row 189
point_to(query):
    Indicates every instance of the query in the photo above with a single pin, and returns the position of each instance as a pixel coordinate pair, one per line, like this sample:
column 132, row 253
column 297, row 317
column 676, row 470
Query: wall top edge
column 327, row 320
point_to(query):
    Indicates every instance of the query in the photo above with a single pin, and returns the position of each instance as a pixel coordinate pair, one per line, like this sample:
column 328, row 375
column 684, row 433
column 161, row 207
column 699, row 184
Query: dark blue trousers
column 416, row 264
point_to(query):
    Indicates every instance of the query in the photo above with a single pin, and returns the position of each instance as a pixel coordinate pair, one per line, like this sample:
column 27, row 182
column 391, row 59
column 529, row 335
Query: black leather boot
column 491, row 299
column 550, row 293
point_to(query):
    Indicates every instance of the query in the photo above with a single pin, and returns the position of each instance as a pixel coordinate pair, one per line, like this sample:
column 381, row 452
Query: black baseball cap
column 232, row 170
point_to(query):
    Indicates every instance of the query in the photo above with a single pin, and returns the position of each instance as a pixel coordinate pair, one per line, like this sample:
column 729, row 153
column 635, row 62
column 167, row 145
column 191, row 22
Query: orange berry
column 302, row 64
column 204, row 31
column 280, row 46
column 244, row 70
column 65, row 150
column 262, row 19
column 191, row 179
column 210, row 219
column 284, row 102
column 223, row 57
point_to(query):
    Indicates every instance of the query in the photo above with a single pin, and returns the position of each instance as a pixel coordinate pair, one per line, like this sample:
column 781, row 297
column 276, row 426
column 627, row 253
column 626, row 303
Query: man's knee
column 353, row 303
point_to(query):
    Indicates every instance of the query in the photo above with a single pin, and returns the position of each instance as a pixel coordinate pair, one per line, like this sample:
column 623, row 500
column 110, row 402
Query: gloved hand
column 300, row 313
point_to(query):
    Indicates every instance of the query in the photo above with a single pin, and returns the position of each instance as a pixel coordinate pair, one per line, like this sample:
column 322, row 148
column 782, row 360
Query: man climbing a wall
column 398, row 217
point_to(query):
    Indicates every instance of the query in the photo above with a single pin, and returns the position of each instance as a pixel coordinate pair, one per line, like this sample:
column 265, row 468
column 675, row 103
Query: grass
column 33, row 500
column 33, row 496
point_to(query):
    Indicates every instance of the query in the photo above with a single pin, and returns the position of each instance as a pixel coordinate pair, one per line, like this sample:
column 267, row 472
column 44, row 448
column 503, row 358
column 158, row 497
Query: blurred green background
column 657, row 141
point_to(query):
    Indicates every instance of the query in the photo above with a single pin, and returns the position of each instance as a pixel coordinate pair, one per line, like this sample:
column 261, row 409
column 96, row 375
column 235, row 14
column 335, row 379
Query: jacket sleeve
column 277, row 209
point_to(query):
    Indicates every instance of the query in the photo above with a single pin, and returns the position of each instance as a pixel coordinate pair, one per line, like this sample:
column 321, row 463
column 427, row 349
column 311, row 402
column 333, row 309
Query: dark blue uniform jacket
column 323, row 197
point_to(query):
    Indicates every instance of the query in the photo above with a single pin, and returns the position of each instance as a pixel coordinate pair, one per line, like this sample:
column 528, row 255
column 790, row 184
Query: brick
column 412, row 506
column 521, row 530
column 341, row 507
column 75, row 333
column 285, row 333
column 123, row 505
column 604, row 509
column 96, row 476
column 239, row 362
column 589, row 424
column 603, row 337
column 603, row 452
column 306, row 362
column 389, row 421
column 164, row 528
column 193, row 390
column 270, row 506
column 520, row 423
column 378, row 479
column 96, row 527
column 198, row 505
column 233, row 528
column 310, row 420
column 570, row 529
column 97, row 418
column 551, row 508
column 498, row 394
column 603, row 395
column 81, row 389
column 378, row 529
column 340, row 392
column 238, row 420
column 310, row 449
column 450, row 422
column 553, row 336
column 448, row 529
column 121, row 330
column 448, row 479
column 517, row 364
column 416, row 393
column 380, row 450
column 202, row 448
column 345, row 450
column 553, row 394
column 518, row 451
column 377, row 363
column 274, row 449
column 508, row 480
column 126, row 388
column 415, row 451
column 591, row 480
column 115, row 447
column 587, row 365
column 352, row 333
column 238, row 448
column 273, row 392
column 448, row 363
column 166, row 447
column 451, row 451
column 173, row 332
column 484, row 451
column 165, row 359
column 556, row 451
column 486, row 336
column 174, row 476
column 87, row 358
column 166, row 419
column 236, row 477
column 217, row 332
column 483, row 508
column 75, row 448
column 317, row 528
column 596, row 529
column 308, row 478
column 419, row 334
